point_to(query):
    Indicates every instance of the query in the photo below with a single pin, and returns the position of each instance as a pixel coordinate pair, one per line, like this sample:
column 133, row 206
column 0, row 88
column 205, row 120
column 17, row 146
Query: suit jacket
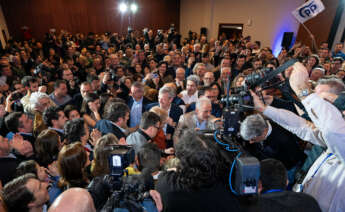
column 146, row 102
column 9, row 167
column 77, row 101
column 144, row 108
column 284, row 201
column 174, row 114
column 106, row 126
column 188, row 121
column 281, row 145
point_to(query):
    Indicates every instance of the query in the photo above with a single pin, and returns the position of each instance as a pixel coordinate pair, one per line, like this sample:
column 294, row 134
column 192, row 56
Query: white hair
column 222, row 69
column 167, row 90
column 252, row 126
column 194, row 78
column 320, row 69
column 35, row 98
column 202, row 101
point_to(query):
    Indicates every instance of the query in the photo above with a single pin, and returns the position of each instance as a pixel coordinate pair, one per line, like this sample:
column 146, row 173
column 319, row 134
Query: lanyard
column 273, row 190
column 301, row 186
column 324, row 160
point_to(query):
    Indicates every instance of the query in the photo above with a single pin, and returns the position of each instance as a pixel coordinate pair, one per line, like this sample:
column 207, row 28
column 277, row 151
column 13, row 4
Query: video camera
column 241, row 100
column 118, row 189
column 246, row 168
column 120, row 158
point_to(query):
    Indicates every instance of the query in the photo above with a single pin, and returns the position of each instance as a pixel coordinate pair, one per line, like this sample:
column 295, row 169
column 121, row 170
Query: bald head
column 73, row 200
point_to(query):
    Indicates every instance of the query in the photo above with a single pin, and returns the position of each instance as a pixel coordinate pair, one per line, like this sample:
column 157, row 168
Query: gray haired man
column 200, row 119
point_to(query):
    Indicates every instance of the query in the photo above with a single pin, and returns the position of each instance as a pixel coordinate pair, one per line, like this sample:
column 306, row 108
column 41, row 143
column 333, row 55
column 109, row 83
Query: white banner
column 308, row 10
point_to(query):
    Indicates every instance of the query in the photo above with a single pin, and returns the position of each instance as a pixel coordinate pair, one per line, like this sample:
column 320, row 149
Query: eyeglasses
column 156, row 127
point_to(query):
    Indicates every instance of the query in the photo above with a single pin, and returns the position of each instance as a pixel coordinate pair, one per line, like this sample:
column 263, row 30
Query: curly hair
column 200, row 164
column 74, row 130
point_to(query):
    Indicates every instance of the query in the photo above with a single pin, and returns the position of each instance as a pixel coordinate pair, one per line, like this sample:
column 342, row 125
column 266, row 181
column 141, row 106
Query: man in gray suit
column 200, row 119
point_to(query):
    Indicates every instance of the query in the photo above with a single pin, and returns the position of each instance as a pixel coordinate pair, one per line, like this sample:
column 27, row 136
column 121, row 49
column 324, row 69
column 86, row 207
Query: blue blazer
column 146, row 102
column 174, row 114
column 105, row 126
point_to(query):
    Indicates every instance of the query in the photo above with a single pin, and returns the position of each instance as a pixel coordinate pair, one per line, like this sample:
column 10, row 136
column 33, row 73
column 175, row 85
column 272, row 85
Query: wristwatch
column 304, row 93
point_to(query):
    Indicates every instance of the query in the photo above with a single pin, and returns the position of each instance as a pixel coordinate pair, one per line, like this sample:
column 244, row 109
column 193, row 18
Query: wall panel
column 86, row 15
column 321, row 25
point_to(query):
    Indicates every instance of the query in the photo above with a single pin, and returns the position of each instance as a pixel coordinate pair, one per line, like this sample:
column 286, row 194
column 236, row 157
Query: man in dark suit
column 137, row 104
column 165, row 98
column 269, row 140
column 116, row 115
column 77, row 100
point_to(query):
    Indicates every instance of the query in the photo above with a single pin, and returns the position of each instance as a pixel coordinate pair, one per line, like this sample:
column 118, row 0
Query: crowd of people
column 66, row 100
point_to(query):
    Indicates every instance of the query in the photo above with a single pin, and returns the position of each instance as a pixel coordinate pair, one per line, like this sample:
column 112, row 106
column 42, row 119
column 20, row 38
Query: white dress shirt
column 325, row 180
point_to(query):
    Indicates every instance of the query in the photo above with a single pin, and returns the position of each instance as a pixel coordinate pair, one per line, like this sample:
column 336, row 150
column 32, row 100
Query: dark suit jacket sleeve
column 175, row 113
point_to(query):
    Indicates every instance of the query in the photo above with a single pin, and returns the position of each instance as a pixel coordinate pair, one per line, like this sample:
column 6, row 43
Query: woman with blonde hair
column 164, row 116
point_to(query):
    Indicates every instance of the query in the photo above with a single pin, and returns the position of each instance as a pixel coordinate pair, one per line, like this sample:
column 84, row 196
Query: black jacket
column 215, row 198
column 285, row 201
column 281, row 145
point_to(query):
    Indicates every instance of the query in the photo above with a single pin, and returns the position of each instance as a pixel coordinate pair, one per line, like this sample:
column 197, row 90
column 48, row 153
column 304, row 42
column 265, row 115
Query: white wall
column 269, row 18
column 3, row 26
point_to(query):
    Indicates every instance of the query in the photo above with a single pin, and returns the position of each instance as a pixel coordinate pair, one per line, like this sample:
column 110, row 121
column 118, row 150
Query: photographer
column 327, row 130
column 149, row 38
column 196, row 184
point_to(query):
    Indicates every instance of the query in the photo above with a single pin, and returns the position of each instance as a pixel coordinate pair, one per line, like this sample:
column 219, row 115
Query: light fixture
column 123, row 7
column 134, row 7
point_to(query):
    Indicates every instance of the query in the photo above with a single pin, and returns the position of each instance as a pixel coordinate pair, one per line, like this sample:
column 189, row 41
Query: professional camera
column 17, row 105
column 121, row 157
column 41, row 69
column 240, row 96
column 118, row 189
column 241, row 100
column 245, row 167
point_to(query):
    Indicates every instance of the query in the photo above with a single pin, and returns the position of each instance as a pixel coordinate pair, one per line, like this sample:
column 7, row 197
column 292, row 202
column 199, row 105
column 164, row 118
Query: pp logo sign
column 308, row 10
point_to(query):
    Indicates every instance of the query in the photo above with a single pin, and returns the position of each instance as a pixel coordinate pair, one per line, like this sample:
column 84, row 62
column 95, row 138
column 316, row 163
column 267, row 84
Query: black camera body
column 127, row 192
column 121, row 157
column 241, row 100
